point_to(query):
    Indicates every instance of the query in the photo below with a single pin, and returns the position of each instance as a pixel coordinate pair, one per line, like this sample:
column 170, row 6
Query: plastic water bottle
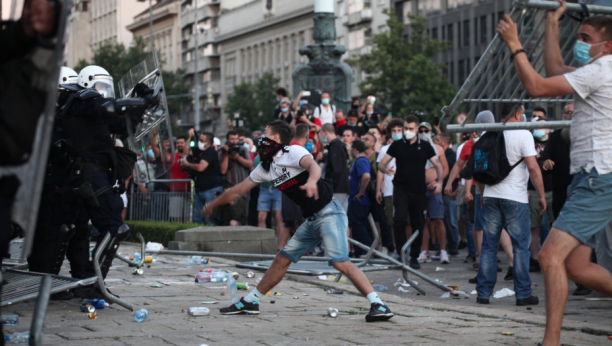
column 233, row 288
column 141, row 315
column 198, row 311
column 211, row 277
column 99, row 304
column 19, row 337
column 137, row 256
column 10, row 320
column 380, row 288
column 192, row 262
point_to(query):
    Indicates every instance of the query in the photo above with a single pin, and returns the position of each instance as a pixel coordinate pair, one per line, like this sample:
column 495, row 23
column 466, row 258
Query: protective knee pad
column 65, row 234
column 108, row 254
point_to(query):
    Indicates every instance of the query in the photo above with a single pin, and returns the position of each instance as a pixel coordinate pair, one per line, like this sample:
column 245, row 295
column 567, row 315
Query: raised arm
column 553, row 60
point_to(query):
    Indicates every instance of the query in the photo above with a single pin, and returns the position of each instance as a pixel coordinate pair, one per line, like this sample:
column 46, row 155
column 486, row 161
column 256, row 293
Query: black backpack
column 488, row 159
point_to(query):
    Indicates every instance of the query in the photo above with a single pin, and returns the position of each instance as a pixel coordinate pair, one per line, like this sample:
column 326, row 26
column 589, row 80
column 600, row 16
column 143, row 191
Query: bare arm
column 382, row 165
column 247, row 163
column 229, row 196
column 454, row 174
column 536, row 85
column 440, row 171
column 380, row 183
column 199, row 167
column 314, row 174
column 224, row 162
column 296, row 102
column 442, row 158
column 536, row 179
column 154, row 145
column 365, row 180
column 553, row 60
column 468, row 190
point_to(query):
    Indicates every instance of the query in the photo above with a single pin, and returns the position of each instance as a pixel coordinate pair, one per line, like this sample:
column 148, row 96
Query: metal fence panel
column 172, row 206
column 494, row 79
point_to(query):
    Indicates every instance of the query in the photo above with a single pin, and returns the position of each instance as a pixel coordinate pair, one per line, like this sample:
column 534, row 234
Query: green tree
column 255, row 102
column 400, row 70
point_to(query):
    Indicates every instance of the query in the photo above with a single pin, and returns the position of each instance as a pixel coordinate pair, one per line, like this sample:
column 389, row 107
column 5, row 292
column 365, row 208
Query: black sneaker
column 378, row 312
column 482, row 300
column 508, row 276
column 534, row 266
column 533, row 300
column 64, row 295
column 468, row 258
column 582, row 291
column 89, row 292
column 414, row 263
column 473, row 280
column 462, row 244
column 240, row 307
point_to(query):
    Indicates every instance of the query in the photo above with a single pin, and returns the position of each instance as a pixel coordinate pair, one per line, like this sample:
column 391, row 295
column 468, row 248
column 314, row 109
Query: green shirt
column 257, row 162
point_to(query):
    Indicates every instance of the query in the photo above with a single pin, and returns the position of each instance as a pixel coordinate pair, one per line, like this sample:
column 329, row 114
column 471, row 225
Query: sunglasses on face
column 424, row 131
column 568, row 112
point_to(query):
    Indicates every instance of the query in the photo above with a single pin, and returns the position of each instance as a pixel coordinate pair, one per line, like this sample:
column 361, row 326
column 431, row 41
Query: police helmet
column 97, row 78
column 67, row 76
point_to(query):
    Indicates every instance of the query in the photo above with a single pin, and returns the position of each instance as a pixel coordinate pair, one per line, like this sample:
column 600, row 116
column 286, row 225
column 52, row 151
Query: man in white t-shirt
column 567, row 250
column 506, row 203
column 326, row 112
column 296, row 174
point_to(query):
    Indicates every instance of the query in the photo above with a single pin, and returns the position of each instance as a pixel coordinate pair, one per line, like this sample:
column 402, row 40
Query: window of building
column 406, row 11
column 84, row 6
column 230, row 67
column 483, row 30
column 449, row 35
column 461, row 71
column 341, row 9
column 434, row 33
column 357, row 5
column 466, row 33
column 452, row 72
column 356, row 39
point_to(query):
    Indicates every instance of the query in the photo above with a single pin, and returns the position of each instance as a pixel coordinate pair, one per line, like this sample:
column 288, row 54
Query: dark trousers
column 358, row 221
column 252, row 212
column 413, row 205
column 378, row 214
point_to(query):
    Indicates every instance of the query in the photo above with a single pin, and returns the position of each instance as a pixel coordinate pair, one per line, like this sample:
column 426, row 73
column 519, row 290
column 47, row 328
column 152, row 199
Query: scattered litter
column 87, row 308
column 277, row 294
column 10, row 320
column 474, row 292
column 250, row 275
column 272, row 301
column 196, row 260
column 504, row 292
column 454, row 287
column 99, row 304
column 508, row 333
column 222, row 293
column 242, row 286
column 380, row 288
column 154, row 246
column 145, row 303
column 296, row 298
column 401, row 289
column 440, row 269
column 609, row 337
column 459, row 294
column 402, row 282
column 235, row 275
column 92, row 315
column 305, row 295
column 148, row 259
column 157, row 286
column 333, row 278
column 445, row 295
column 335, row 292
column 137, row 271
column 528, row 308
column 372, row 282
column 332, row 312
column 210, row 302
column 439, row 281
column 420, row 312
column 141, row 315
column 268, row 293
column 322, row 277
column 198, row 311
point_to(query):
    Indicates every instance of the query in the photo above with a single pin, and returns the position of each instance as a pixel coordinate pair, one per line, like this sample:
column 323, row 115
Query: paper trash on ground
column 404, row 283
column 504, row 292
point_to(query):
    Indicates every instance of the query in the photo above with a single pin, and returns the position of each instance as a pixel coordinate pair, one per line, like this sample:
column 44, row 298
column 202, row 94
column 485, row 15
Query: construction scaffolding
column 494, row 79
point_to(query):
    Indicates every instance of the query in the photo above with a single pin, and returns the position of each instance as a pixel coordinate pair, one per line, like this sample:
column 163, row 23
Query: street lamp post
column 196, row 82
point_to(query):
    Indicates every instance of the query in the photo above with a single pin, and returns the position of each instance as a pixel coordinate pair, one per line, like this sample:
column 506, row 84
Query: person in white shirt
column 326, row 112
column 567, row 250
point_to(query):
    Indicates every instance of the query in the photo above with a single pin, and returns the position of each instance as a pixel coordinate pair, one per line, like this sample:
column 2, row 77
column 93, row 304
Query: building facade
column 79, row 34
column 166, row 32
column 109, row 20
column 207, row 73
column 357, row 21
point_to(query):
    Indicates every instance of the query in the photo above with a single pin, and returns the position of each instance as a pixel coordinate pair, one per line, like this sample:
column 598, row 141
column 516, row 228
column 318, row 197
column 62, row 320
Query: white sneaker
column 384, row 250
column 395, row 256
column 444, row 257
column 424, row 257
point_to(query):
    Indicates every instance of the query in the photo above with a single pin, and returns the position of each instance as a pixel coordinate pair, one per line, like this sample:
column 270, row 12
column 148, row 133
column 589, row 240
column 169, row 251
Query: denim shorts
column 478, row 213
column 328, row 225
column 436, row 205
column 588, row 208
column 270, row 198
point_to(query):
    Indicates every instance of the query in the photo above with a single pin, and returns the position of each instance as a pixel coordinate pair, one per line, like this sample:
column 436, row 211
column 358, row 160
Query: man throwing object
column 293, row 171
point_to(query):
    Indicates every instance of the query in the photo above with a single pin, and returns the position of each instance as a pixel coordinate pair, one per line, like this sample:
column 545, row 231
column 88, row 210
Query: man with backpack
column 504, row 161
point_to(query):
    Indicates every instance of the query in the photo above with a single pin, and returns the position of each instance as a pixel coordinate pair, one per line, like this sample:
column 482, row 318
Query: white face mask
column 409, row 135
column 253, row 149
column 201, row 146
column 476, row 139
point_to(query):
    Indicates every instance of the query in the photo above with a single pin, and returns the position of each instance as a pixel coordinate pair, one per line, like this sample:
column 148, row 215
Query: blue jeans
column 358, row 221
column 450, row 223
column 199, row 200
column 515, row 215
column 328, row 225
column 469, row 227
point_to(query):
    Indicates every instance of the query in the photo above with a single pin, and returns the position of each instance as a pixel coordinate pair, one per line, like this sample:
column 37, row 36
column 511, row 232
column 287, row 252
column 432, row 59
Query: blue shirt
column 359, row 168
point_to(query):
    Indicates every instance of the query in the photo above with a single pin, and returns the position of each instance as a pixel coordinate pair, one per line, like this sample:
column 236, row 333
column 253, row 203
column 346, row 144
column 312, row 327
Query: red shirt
column 176, row 172
column 466, row 151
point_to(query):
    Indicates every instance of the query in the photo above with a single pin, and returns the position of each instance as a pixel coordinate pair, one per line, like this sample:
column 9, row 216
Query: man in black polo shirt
column 409, row 187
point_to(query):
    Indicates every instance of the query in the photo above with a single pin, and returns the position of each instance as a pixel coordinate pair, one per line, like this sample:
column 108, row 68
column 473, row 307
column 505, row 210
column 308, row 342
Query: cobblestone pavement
column 298, row 316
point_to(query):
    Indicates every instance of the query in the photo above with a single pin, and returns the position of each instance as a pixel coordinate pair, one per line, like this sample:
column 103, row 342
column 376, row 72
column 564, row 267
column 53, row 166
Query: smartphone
column 306, row 93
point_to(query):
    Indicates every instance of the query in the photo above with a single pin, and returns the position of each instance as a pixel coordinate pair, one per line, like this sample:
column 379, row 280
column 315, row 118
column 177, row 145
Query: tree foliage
column 400, row 70
column 118, row 60
column 254, row 101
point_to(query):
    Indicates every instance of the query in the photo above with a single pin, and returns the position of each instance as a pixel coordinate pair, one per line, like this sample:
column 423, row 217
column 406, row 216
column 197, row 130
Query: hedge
column 156, row 231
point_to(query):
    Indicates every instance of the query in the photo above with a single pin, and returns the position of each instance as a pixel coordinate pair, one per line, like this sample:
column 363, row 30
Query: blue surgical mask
column 581, row 52
column 539, row 134
column 349, row 124
column 303, row 102
column 309, row 147
column 524, row 118
column 369, row 112
column 323, row 140
column 325, row 101
column 277, row 99
column 284, row 110
column 396, row 136
column 151, row 153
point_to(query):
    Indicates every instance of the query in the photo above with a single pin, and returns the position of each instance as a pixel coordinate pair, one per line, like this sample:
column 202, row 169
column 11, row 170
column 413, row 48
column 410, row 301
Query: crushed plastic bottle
column 335, row 292
column 332, row 312
column 141, row 315
column 233, row 289
column 211, row 277
column 10, row 320
column 19, row 337
column 197, row 260
column 198, row 311
column 99, row 304
column 137, row 256
column 380, row 288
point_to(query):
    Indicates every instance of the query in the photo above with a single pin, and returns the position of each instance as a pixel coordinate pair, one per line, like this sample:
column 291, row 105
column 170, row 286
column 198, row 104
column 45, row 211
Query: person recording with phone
column 204, row 168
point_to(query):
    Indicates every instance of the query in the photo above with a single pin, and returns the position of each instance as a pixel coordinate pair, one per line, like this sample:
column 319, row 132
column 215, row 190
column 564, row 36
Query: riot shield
column 152, row 139
column 35, row 119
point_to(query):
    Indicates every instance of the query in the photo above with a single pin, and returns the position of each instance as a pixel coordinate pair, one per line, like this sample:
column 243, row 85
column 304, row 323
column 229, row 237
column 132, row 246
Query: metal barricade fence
column 173, row 206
